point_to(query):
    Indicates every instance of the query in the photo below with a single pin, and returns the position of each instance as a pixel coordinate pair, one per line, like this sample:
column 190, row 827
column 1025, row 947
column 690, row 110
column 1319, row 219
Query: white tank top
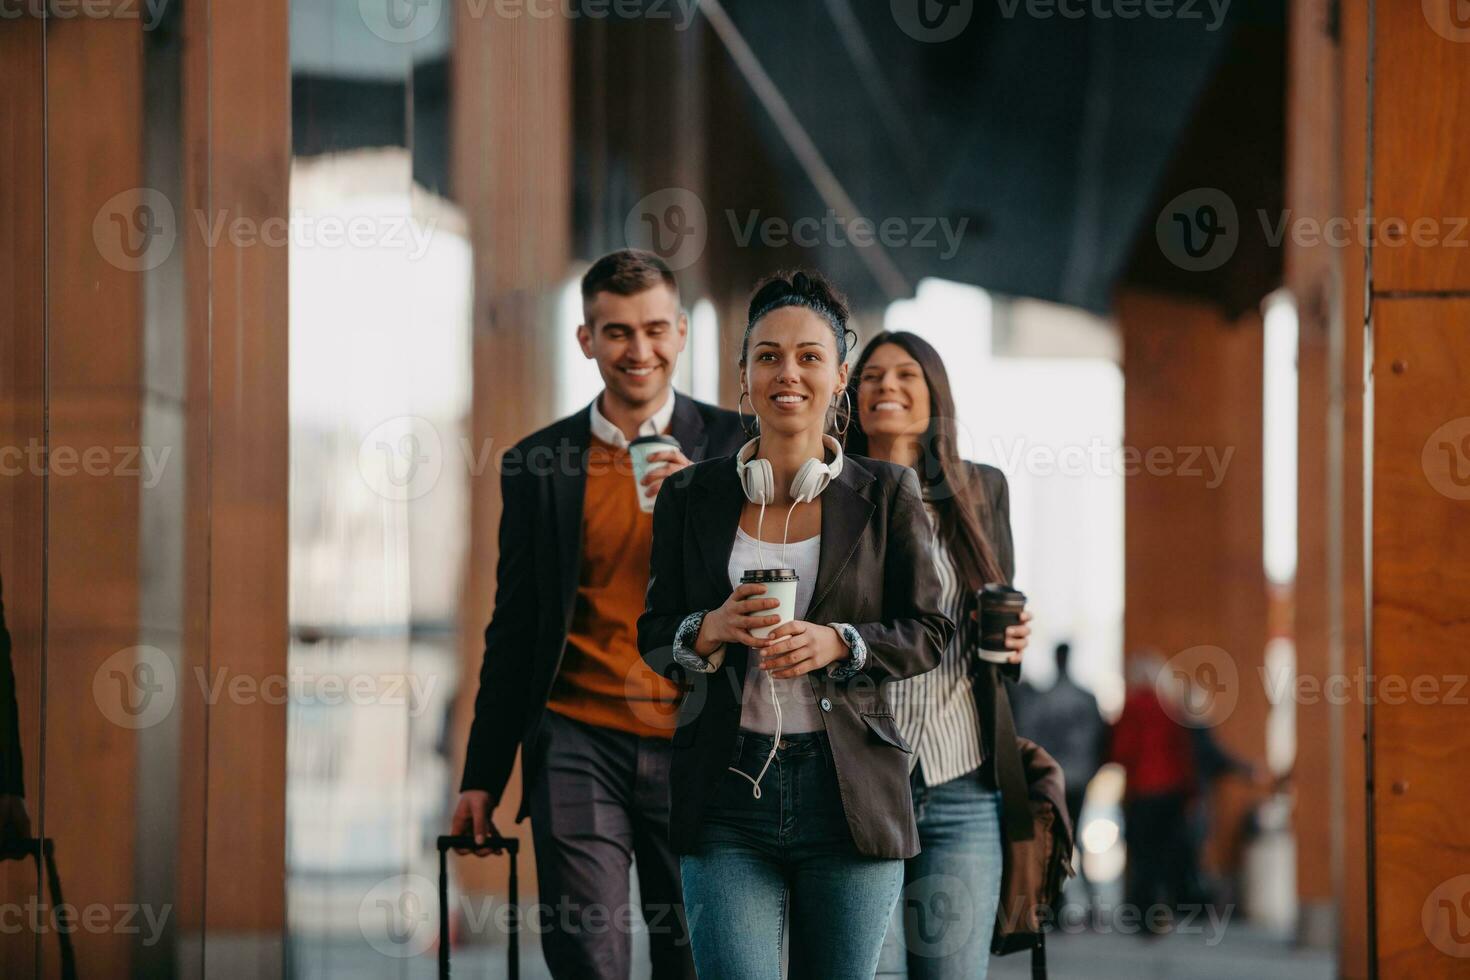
column 799, row 711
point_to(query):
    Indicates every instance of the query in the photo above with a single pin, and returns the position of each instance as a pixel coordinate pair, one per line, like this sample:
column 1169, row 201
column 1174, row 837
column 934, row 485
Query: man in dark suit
column 562, row 679
column 15, row 824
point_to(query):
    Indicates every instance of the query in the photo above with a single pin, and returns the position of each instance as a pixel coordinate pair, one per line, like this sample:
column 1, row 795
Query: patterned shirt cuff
column 843, row 669
column 684, row 654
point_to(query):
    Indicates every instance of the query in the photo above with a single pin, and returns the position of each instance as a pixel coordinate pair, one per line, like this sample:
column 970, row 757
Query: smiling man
column 562, row 679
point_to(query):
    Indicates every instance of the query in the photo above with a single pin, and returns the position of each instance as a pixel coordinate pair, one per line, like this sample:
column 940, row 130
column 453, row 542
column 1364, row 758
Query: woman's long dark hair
column 958, row 497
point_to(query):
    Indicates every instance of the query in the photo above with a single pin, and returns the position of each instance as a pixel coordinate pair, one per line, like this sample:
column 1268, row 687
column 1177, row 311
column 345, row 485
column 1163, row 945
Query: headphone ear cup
column 810, row 480
column 758, row 481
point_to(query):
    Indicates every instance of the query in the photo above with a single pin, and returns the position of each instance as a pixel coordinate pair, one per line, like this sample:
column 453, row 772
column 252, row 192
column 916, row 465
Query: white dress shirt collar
column 654, row 425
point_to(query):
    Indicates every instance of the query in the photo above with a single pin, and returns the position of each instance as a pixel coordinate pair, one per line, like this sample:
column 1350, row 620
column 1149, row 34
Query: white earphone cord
column 755, row 784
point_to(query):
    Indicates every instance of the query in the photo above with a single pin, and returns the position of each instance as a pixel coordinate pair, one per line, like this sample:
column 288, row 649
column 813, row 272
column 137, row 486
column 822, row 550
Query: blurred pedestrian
column 1157, row 756
column 1064, row 719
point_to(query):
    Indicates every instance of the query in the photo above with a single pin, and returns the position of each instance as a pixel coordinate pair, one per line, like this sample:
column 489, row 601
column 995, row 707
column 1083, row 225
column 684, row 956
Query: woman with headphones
column 789, row 783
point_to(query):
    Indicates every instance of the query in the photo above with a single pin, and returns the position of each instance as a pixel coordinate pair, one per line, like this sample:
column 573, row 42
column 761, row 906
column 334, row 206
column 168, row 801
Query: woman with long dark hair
column 906, row 415
column 789, row 782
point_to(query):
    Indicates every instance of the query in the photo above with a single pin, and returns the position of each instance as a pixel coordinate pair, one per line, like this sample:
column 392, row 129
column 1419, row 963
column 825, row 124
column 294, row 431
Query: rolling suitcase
column 511, row 846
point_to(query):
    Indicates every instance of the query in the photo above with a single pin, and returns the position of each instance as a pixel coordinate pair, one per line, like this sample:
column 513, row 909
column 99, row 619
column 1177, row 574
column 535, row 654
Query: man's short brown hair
column 626, row 272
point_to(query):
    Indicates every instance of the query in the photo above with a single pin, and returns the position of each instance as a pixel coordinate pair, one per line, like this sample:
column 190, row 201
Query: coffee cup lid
column 996, row 590
column 758, row 575
column 665, row 440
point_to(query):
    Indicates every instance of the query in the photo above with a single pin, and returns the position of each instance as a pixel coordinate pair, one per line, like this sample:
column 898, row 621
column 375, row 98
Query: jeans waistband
column 792, row 744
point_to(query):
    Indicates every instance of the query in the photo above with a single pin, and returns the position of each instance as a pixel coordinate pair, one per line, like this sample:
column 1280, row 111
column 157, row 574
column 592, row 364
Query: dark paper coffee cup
column 1000, row 606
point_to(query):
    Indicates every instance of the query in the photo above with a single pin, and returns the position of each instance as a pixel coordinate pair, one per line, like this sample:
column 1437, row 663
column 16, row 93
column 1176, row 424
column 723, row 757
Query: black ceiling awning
column 1034, row 147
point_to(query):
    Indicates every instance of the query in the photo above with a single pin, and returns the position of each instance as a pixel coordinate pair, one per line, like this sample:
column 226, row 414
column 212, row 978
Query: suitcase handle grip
column 494, row 844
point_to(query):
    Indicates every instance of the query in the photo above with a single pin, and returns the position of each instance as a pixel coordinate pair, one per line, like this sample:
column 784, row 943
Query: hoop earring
column 754, row 428
column 847, row 418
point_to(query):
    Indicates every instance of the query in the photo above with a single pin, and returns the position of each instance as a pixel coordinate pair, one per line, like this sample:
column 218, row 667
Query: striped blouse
column 936, row 710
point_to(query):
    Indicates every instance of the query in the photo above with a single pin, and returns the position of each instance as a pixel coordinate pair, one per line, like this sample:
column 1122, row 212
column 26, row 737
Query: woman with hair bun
column 790, row 787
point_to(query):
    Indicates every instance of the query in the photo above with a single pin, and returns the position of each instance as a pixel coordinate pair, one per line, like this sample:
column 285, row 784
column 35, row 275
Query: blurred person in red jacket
column 1158, row 759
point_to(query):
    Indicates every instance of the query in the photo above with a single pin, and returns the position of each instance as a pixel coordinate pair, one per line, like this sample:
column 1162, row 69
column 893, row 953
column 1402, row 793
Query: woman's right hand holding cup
column 747, row 609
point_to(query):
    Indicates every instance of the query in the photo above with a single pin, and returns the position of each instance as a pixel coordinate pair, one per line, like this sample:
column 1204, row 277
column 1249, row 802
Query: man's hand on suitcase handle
column 472, row 817
column 15, row 828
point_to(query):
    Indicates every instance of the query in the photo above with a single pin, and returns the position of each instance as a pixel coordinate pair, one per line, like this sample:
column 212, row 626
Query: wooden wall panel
column 1421, row 494
column 1347, row 391
column 22, row 402
column 1419, row 336
column 94, row 127
column 1421, row 155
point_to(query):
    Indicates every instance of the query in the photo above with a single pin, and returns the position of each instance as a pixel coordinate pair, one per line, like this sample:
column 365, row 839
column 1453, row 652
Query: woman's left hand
column 799, row 648
column 1017, row 637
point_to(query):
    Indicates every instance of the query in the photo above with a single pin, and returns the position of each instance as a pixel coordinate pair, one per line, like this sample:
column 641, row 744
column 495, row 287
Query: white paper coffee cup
column 639, row 450
column 780, row 584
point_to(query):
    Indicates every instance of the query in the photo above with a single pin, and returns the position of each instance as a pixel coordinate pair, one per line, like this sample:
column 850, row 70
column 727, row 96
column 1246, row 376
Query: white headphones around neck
column 813, row 477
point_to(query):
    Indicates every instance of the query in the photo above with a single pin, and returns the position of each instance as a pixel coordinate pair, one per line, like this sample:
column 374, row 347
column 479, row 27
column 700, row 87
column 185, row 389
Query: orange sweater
column 603, row 681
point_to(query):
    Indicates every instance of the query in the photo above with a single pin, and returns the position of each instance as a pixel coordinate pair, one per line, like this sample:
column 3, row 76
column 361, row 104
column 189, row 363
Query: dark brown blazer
column 875, row 571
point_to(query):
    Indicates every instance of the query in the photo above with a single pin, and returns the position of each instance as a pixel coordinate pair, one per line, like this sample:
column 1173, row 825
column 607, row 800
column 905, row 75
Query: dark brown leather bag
column 1037, row 848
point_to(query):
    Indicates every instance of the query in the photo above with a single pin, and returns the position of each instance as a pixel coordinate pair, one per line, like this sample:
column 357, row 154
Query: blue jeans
column 792, row 844
column 941, row 930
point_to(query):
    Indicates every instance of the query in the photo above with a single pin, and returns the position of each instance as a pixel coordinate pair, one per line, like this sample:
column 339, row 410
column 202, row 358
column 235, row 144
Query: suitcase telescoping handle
column 495, row 845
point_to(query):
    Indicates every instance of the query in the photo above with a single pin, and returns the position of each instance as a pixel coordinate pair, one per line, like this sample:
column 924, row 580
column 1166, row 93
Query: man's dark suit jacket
column 542, row 483
column 11, row 781
column 875, row 572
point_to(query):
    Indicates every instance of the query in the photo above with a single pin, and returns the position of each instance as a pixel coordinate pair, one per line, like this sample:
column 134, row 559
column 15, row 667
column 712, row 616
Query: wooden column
column 511, row 173
column 1193, row 562
column 244, row 124
column 1325, row 180
column 1419, row 355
